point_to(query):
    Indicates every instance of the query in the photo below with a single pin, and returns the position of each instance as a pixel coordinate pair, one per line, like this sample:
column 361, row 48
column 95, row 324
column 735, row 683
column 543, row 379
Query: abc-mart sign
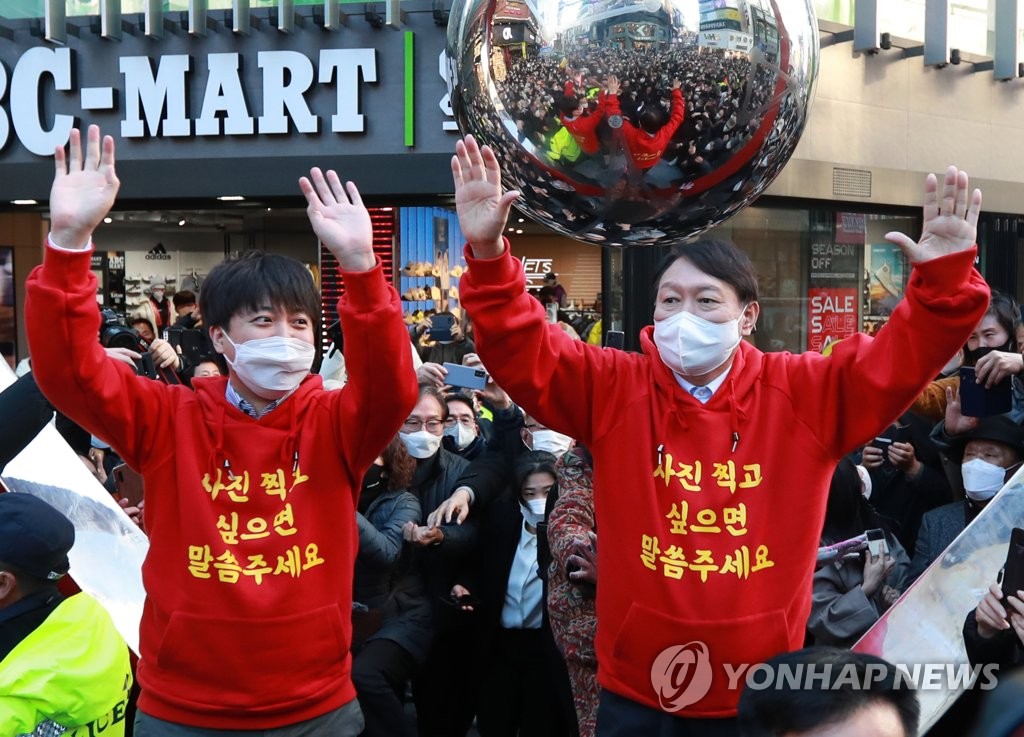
column 353, row 89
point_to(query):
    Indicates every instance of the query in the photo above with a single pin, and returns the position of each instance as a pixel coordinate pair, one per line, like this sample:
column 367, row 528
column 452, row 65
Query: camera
column 115, row 333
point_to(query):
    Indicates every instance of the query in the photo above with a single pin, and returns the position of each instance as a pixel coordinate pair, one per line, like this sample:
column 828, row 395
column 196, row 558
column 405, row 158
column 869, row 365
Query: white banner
column 106, row 560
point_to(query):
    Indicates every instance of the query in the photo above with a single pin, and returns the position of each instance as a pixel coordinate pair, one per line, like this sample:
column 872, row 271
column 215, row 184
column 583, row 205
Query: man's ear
column 748, row 320
column 217, row 338
column 7, row 585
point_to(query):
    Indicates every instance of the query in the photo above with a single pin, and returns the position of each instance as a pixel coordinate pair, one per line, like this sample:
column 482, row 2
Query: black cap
column 997, row 428
column 550, row 276
column 34, row 537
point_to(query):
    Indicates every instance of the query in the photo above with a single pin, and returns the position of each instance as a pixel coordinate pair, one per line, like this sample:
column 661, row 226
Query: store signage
column 155, row 98
column 233, row 113
column 833, row 316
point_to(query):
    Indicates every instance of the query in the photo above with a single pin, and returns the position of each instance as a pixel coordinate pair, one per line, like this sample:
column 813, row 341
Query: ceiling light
column 519, row 231
column 24, row 202
column 522, row 220
column 108, row 220
column 181, row 222
column 231, row 198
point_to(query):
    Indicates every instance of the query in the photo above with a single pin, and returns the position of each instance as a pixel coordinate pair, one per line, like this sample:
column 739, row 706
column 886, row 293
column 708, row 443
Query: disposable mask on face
column 982, row 479
column 533, row 511
column 272, row 367
column 551, row 441
column 693, row 346
column 420, row 444
column 461, row 435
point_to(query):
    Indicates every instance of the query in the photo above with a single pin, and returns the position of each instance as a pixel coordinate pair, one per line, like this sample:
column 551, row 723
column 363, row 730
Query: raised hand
column 82, row 192
column 950, row 223
column 481, row 205
column 339, row 219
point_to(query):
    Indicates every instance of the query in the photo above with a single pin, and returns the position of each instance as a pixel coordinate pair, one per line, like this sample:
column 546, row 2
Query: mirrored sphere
column 634, row 122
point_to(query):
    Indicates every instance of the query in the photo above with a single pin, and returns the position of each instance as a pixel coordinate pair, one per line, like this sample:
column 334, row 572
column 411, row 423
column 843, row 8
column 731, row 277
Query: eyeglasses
column 464, row 421
column 415, row 424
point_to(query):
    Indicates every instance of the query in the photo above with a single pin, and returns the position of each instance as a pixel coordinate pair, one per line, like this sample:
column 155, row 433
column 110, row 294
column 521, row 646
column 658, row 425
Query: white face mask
column 693, row 346
column 421, row 444
column 461, row 435
column 272, row 367
column 533, row 511
column 551, row 441
column 982, row 479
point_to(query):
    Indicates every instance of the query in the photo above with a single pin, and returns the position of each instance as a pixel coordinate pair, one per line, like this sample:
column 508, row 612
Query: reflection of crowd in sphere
column 590, row 184
column 725, row 99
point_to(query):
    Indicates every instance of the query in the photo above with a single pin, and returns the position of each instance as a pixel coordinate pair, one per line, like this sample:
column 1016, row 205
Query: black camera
column 115, row 333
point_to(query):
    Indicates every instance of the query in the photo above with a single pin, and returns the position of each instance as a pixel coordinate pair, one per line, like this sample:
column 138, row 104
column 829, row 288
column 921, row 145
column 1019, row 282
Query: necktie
column 702, row 393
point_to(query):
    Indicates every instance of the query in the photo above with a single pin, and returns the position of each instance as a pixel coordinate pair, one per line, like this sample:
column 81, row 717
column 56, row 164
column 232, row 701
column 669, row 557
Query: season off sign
column 832, row 316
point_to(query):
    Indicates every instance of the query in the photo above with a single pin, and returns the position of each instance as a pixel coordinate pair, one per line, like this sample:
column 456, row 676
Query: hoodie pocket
column 261, row 665
column 734, row 642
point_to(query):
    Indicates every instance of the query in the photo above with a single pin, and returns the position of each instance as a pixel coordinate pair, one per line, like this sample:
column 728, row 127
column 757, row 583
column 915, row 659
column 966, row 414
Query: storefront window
column 824, row 275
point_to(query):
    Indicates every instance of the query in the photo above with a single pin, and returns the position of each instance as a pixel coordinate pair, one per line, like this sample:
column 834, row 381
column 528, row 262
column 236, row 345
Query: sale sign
column 832, row 316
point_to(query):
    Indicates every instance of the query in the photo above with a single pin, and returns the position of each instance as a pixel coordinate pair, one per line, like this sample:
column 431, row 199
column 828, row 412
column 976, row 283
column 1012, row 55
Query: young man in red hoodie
column 704, row 446
column 251, row 480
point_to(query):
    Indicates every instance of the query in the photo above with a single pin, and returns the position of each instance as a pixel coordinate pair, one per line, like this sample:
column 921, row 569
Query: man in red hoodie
column 252, row 479
column 648, row 141
column 712, row 460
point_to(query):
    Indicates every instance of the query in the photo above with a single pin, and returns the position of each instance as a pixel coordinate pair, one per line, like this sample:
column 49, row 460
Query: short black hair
column 804, row 703
column 720, row 259
column 137, row 320
column 650, row 120
column 256, row 279
column 531, row 462
column 217, row 359
column 182, row 298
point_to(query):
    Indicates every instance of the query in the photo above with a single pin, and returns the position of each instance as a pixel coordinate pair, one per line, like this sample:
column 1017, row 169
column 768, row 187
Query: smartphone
column 876, row 542
column 883, row 444
column 460, row 601
column 441, row 327
column 977, row 401
column 1013, row 572
column 467, row 377
column 128, row 484
column 615, row 339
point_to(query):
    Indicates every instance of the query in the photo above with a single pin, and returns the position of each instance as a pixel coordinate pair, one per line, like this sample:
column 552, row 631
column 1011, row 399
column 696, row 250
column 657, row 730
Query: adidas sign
column 158, row 253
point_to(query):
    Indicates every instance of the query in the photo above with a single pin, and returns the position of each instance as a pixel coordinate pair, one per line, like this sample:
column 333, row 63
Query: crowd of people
column 604, row 142
column 326, row 550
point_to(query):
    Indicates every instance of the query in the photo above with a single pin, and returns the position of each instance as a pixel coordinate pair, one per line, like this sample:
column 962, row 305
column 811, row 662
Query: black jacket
column 25, row 412
column 435, row 480
column 385, row 577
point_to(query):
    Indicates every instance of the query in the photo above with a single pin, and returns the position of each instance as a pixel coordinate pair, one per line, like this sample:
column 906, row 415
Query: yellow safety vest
column 72, row 670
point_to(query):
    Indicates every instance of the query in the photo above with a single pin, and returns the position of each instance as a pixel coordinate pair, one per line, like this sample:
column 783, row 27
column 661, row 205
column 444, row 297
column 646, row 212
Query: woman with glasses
column 444, row 690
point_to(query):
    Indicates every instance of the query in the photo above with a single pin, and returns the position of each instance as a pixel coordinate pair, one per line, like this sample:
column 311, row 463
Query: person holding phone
column 993, row 354
column 451, row 344
column 851, row 594
column 767, row 430
column 907, row 478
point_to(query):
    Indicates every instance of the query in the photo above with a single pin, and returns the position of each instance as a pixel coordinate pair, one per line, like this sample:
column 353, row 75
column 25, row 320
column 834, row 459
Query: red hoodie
column 584, row 127
column 710, row 515
column 644, row 148
column 247, row 619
